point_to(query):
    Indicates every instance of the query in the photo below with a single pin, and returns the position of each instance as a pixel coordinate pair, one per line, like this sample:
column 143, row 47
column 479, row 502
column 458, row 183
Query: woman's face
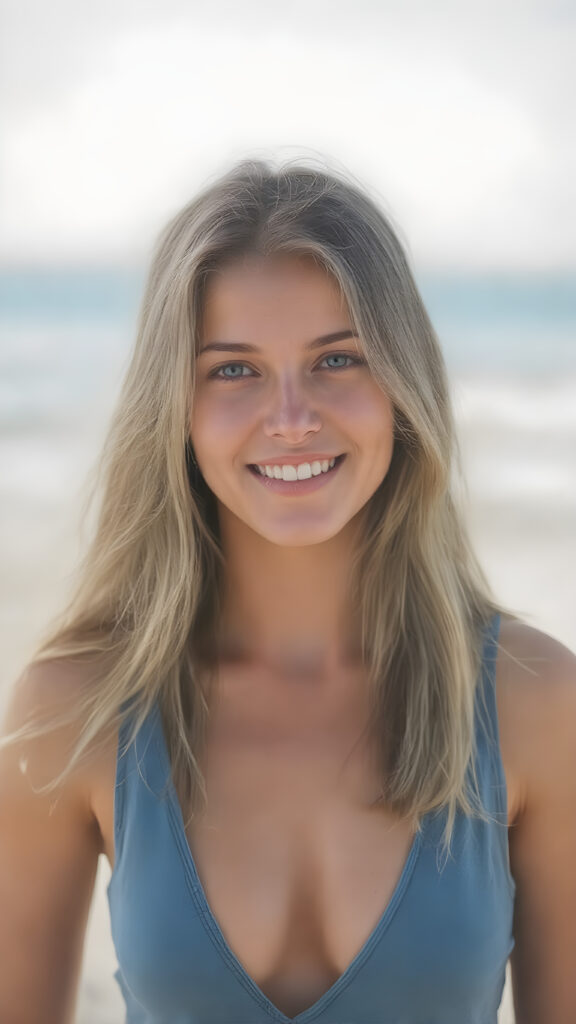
column 275, row 390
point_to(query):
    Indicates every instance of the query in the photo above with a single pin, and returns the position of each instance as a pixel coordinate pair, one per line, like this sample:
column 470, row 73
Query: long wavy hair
column 148, row 594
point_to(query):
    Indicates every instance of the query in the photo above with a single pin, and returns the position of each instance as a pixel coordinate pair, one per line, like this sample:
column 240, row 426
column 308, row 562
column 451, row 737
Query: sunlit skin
column 288, row 556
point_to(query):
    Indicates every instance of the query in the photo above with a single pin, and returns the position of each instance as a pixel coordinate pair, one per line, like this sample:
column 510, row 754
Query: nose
column 291, row 414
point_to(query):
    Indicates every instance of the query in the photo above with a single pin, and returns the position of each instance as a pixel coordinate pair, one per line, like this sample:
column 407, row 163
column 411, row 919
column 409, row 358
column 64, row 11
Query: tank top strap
column 121, row 772
column 487, row 679
column 489, row 754
column 137, row 763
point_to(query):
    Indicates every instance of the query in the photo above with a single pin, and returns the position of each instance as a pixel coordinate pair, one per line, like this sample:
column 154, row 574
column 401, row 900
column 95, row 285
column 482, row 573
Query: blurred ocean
column 509, row 342
column 510, row 347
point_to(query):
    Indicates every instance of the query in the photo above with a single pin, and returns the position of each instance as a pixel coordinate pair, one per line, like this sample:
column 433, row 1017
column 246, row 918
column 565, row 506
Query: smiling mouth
column 256, row 471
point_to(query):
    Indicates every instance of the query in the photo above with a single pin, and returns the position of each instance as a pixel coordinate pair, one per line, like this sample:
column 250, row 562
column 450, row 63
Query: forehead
column 258, row 291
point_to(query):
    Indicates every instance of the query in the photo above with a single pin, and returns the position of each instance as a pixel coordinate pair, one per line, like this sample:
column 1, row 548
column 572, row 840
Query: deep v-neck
column 231, row 959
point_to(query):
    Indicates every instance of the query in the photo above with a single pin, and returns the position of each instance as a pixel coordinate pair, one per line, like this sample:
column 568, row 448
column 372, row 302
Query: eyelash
column 355, row 361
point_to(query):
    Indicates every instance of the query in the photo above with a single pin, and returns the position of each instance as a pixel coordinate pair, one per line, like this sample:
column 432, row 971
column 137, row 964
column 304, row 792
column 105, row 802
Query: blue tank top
column 437, row 955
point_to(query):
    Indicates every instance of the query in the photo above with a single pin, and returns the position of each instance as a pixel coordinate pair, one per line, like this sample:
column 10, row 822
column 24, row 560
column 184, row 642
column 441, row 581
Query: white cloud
column 444, row 122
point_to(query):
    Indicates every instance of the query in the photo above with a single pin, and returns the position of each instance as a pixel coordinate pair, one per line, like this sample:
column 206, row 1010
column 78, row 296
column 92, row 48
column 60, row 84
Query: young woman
column 335, row 780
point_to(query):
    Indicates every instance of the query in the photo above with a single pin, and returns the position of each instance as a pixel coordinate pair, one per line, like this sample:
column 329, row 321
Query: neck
column 288, row 609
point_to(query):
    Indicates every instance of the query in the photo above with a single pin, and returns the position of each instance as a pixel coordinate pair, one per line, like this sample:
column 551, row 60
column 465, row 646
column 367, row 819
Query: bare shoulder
column 536, row 692
column 45, row 692
column 49, row 848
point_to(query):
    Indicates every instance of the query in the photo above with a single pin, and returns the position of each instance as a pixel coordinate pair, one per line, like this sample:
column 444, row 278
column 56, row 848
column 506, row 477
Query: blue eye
column 222, row 372
column 219, row 372
column 352, row 360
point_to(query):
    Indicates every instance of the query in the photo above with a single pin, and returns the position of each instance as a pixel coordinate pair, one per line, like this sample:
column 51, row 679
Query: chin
column 300, row 537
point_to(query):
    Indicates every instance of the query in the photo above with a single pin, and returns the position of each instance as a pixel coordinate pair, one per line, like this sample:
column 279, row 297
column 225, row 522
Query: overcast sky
column 459, row 116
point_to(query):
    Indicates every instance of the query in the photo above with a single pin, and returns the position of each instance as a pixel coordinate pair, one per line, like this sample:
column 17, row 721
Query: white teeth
column 302, row 472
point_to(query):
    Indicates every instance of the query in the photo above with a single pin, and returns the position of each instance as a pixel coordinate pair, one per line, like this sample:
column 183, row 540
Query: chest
column 296, row 864
column 291, row 845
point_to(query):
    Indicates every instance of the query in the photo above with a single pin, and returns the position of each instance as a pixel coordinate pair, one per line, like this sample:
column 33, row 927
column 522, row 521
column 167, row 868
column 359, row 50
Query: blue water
column 510, row 347
column 499, row 323
column 509, row 343
column 49, row 294
column 504, row 323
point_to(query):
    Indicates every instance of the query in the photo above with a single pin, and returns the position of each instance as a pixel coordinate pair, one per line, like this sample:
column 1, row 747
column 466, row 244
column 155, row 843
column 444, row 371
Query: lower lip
column 296, row 487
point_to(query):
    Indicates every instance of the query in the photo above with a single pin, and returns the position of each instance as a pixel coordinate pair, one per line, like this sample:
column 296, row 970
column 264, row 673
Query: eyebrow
column 242, row 346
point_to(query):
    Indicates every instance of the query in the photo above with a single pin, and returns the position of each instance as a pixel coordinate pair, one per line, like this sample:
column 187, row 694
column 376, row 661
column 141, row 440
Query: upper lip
column 295, row 460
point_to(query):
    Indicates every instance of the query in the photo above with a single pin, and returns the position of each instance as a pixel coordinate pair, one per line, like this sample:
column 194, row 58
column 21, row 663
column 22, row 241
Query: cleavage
column 296, row 872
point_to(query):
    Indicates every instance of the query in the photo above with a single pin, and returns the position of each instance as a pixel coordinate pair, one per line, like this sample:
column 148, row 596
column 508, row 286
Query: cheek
column 370, row 413
column 378, row 428
column 217, row 421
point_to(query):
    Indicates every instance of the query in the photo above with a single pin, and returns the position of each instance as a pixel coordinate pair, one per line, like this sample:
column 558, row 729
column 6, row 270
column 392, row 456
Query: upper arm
column 542, row 677
column 49, row 847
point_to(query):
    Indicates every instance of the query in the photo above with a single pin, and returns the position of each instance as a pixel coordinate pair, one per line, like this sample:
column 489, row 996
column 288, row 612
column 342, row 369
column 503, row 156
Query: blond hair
column 148, row 595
